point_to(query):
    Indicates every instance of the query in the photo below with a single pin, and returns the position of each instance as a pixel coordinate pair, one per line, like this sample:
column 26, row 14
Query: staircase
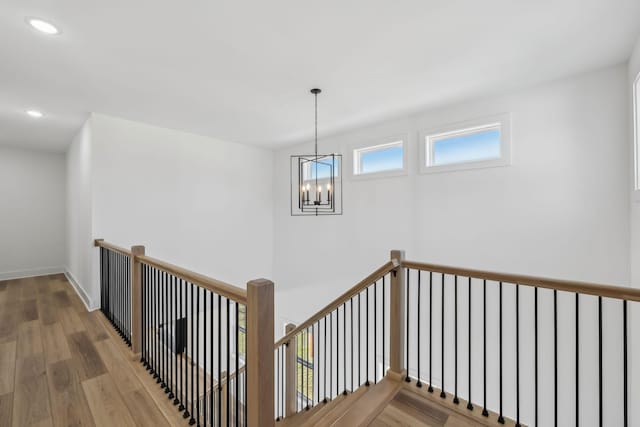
column 391, row 402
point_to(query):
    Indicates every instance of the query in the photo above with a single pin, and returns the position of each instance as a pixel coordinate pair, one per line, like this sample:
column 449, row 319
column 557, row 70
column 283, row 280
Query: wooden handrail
column 617, row 292
column 384, row 269
column 101, row 243
column 232, row 292
column 226, row 379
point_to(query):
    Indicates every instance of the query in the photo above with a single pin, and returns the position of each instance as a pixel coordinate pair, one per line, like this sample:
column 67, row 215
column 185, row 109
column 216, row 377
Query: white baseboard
column 80, row 291
column 10, row 275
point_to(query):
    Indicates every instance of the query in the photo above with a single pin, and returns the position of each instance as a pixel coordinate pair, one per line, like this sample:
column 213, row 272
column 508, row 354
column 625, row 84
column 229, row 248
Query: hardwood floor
column 60, row 365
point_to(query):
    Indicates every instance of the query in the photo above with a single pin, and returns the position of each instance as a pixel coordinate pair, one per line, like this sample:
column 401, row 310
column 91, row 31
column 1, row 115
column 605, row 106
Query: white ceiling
column 241, row 69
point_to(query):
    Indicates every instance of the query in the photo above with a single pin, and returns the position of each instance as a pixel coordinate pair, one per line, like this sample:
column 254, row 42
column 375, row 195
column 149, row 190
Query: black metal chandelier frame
column 318, row 189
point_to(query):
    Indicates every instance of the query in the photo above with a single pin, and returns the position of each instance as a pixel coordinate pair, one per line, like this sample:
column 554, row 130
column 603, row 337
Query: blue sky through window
column 384, row 159
column 471, row 147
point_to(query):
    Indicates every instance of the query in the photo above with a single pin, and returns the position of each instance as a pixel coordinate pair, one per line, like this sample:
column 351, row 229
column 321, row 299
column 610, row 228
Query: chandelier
column 316, row 180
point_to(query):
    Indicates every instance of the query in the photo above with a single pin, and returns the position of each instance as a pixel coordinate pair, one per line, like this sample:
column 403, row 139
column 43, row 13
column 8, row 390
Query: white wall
column 79, row 225
column 32, row 223
column 560, row 210
column 194, row 201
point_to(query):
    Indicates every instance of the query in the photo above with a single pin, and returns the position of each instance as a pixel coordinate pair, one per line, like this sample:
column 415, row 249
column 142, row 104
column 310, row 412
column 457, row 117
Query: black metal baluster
column 384, row 325
column 197, row 356
column 122, row 298
column 367, row 383
column 407, row 347
column 517, row 355
column 143, row 313
column 101, row 250
column 182, row 341
column 375, row 332
column 114, row 290
column 485, row 412
column 316, row 362
column 600, row 382
column 430, row 389
column 228, row 365
column 120, row 294
column 418, row 382
column 163, row 329
column 174, row 298
column 625, row 373
column 577, row 359
column 469, row 404
column 359, row 341
column 116, row 294
column 205, row 359
column 192, row 420
column 110, row 286
column 211, row 378
column 152, row 307
column 535, row 353
column 167, row 366
column 158, row 337
column 344, row 347
column 500, row 416
column 331, row 355
column 337, row 351
column 442, row 392
column 455, row 339
column 324, row 370
column 352, row 345
column 555, row 357
column 237, row 396
column 277, row 384
column 156, row 329
column 130, row 301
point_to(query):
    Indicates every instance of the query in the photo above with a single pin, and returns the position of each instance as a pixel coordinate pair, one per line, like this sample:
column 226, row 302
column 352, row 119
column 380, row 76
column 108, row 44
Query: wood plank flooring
column 61, row 366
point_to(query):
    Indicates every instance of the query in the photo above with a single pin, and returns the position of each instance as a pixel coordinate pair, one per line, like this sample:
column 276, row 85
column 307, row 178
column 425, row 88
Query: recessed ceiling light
column 35, row 113
column 43, row 26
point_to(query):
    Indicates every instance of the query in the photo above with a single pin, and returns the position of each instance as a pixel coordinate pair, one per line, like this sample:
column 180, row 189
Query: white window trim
column 636, row 139
column 502, row 120
column 375, row 145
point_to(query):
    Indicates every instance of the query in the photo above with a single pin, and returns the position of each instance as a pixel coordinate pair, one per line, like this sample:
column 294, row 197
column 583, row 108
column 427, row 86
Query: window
column 636, row 133
column 383, row 158
column 304, row 367
column 482, row 143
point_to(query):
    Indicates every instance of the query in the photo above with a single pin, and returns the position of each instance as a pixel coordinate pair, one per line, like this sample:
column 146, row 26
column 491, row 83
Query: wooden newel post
column 290, row 391
column 397, row 318
column 260, row 364
column 136, row 299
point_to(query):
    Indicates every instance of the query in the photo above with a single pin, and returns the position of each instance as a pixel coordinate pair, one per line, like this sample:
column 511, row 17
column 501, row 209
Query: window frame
column 376, row 144
column 636, row 138
column 427, row 137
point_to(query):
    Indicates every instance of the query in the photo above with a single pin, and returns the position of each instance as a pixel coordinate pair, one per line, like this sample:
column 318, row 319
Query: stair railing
column 208, row 344
column 115, row 287
column 538, row 351
column 342, row 347
column 559, row 345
